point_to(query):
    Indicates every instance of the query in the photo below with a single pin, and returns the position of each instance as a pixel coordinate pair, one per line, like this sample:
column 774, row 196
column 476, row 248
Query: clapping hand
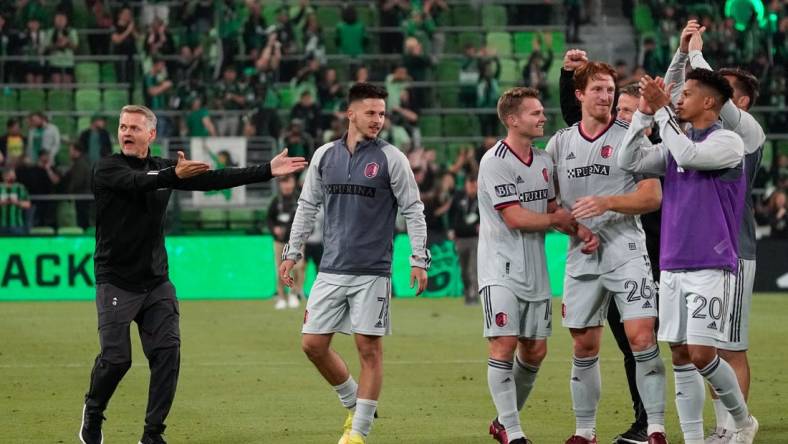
column 655, row 92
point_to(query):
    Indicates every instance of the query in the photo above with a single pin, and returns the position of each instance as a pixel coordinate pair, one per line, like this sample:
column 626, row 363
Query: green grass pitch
column 244, row 379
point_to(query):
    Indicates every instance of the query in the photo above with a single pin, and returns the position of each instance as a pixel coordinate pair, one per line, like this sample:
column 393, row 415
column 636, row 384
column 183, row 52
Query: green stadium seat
column 460, row 125
column 66, row 214
column 32, row 100
column 90, row 231
column 42, row 231
column 430, row 126
column 8, row 100
column 60, row 100
column 510, row 72
column 501, row 42
column 136, row 97
column 70, row 231
column 83, row 123
column 368, row 16
column 559, row 43
column 87, row 72
column 189, row 219
column 329, row 40
column 464, row 38
column 449, row 96
column 115, row 99
column 66, row 126
column 464, row 15
column 213, row 218
column 241, row 219
column 330, row 16
column 87, row 100
column 448, row 70
column 81, row 16
column 107, row 73
column 524, row 43
column 493, row 16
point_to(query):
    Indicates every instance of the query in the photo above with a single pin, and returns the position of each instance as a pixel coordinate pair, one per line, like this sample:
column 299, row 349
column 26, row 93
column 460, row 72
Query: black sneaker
column 149, row 438
column 521, row 441
column 635, row 435
column 90, row 431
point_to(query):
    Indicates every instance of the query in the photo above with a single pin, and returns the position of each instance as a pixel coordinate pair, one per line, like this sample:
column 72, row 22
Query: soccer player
column 607, row 200
column 132, row 189
column 360, row 181
column 733, row 116
column 626, row 104
column 701, row 216
column 517, row 205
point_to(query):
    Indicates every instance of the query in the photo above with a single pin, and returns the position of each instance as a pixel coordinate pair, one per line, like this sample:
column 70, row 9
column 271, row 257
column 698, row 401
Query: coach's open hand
column 185, row 169
column 281, row 165
column 285, row 271
column 418, row 275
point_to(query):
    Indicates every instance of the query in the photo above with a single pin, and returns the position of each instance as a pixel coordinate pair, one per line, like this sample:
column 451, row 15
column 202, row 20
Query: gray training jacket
column 359, row 194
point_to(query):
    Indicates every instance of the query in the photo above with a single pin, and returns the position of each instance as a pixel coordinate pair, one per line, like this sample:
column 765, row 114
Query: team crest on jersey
column 501, row 319
column 371, row 170
column 606, row 151
column 545, row 175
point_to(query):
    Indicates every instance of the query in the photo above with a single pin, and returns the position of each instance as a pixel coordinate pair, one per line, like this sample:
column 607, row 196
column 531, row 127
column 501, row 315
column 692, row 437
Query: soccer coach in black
column 131, row 190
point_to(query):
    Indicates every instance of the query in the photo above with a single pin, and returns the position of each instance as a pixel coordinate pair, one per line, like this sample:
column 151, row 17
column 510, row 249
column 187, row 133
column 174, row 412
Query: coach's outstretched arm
column 280, row 165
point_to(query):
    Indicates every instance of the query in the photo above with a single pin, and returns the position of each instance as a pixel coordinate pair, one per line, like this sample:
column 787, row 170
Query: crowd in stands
column 268, row 69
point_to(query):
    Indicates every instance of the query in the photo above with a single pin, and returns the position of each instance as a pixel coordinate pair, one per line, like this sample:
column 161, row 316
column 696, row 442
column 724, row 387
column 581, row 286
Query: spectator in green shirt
column 61, row 41
column 420, row 26
column 14, row 200
column 231, row 94
column 198, row 121
column 158, row 88
column 351, row 36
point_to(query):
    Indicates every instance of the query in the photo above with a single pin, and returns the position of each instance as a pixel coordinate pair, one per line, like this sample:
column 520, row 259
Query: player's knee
column 586, row 346
column 313, row 350
column 503, row 347
column 642, row 340
column 702, row 356
column 535, row 355
column 680, row 354
column 370, row 355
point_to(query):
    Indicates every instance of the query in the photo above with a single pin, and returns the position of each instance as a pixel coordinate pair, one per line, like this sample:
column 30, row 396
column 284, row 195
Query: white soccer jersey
column 587, row 166
column 513, row 258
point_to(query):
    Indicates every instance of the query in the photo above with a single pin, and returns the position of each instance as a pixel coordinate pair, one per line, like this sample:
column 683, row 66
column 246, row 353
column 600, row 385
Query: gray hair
column 139, row 109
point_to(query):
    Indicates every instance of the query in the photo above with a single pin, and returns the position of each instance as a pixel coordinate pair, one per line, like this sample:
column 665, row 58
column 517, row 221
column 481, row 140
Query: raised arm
column 637, row 154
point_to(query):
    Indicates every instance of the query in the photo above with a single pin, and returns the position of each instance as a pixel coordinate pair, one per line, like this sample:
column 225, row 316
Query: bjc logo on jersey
column 501, row 319
column 606, row 151
column 544, row 174
column 371, row 170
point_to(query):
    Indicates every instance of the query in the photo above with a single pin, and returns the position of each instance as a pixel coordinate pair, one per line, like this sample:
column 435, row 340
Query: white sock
column 500, row 381
column 723, row 380
column 347, row 392
column 586, row 388
column 524, row 378
column 365, row 414
column 690, row 395
column 721, row 414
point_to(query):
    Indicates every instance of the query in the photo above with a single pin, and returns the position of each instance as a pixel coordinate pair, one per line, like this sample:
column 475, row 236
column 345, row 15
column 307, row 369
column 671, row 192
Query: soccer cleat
column 346, row 428
column 498, row 432
column 521, row 441
column 577, row 439
column 635, row 435
column 657, row 438
column 90, row 430
column 356, row 438
column 280, row 304
column 719, row 436
column 746, row 434
column 292, row 301
column 149, row 438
